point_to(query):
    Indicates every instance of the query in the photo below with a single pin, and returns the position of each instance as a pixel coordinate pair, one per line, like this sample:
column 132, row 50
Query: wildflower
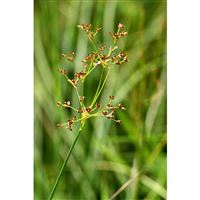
column 58, row 104
column 85, row 27
column 80, row 110
column 98, row 29
column 105, row 112
column 118, row 122
column 69, row 122
column 111, row 97
column 74, row 82
column 102, row 48
column 88, row 109
column 71, row 57
column 120, row 106
column 97, row 105
column 81, row 98
column 124, row 33
column 62, row 71
column 120, row 26
column 64, row 55
column 74, row 118
column 66, row 104
column 60, row 125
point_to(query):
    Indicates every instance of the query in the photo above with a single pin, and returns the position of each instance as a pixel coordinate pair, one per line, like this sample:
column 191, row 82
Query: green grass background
column 106, row 156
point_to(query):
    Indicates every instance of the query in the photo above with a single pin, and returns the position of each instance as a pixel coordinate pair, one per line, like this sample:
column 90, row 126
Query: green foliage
column 106, row 156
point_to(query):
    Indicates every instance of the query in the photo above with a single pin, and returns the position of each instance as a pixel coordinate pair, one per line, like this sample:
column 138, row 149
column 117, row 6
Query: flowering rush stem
column 64, row 164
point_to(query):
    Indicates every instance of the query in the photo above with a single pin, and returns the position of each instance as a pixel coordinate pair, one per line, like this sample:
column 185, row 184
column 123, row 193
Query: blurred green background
column 106, row 156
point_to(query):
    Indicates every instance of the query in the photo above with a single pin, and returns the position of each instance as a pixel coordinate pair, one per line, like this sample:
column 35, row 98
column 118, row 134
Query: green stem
column 96, row 96
column 64, row 164
column 98, row 87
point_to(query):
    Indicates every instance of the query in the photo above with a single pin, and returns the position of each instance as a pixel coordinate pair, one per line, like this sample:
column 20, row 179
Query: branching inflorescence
column 100, row 57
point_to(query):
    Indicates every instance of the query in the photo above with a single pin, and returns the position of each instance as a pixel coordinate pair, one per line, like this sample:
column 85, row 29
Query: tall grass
column 106, row 157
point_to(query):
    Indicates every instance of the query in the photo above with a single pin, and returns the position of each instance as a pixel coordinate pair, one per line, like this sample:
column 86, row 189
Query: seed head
column 81, row 98
column 71, row 57
column 62, row 71
column 66, row 104
column 80, row 110
column 60, row 125
column 118, row 122
column 111, row 97
column 105, row 112
column 120, row 26
column 97, row 105
column 64, row 55
column 88, row 109
column 69, row 122
column 124, row 33
column 98, row 29
column 58, row 104
column 74, row 118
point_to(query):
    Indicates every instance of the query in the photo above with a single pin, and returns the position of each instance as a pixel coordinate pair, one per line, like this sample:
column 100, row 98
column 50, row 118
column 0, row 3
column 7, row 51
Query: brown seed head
column 80, row 110
column 60, row 125
column 66, row 104
column 62, row 71
column 118, row 122
column 120, row 26
column 64, row 55
column 98, row 29
column 97, row 105
column 88, row 109
column 124, row 33
column 105, row 112
column 69, row 122
column 74, row 118
column 58, row 104
column 111, row 97
column 81, row 98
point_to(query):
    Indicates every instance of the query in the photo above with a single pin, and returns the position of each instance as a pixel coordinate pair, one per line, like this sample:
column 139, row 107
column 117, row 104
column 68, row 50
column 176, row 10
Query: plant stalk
column 64, row 164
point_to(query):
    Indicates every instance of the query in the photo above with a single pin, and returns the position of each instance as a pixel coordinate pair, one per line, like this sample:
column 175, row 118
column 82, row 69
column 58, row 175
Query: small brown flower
column 74, row 118
column 121, row 55
column 60, row 125
column 120, row 105
column 126, row 59
column 64, row 55
column 120, row 26
column 58, row 104
column 118, row 122
column 102, row 48
column 62, row 71
column 105, row 112
column 88, row 109
column 97, row 105
column 69, row 122
column 80, row 110
column 110, row 105
column 124, row 33
column 110, row 116
column 98, row 29
column 80, row 74
column 81, row 98
column 88, row 57
column 66, row 104
column 71, row 57
column 117, row 62
column 74, row 81
column 111, row 97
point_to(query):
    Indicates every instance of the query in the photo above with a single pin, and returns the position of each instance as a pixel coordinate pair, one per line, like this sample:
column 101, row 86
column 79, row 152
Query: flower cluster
column 101, row 56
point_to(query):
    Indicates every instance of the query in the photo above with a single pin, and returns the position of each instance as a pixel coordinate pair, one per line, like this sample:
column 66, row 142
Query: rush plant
column 101, row 57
